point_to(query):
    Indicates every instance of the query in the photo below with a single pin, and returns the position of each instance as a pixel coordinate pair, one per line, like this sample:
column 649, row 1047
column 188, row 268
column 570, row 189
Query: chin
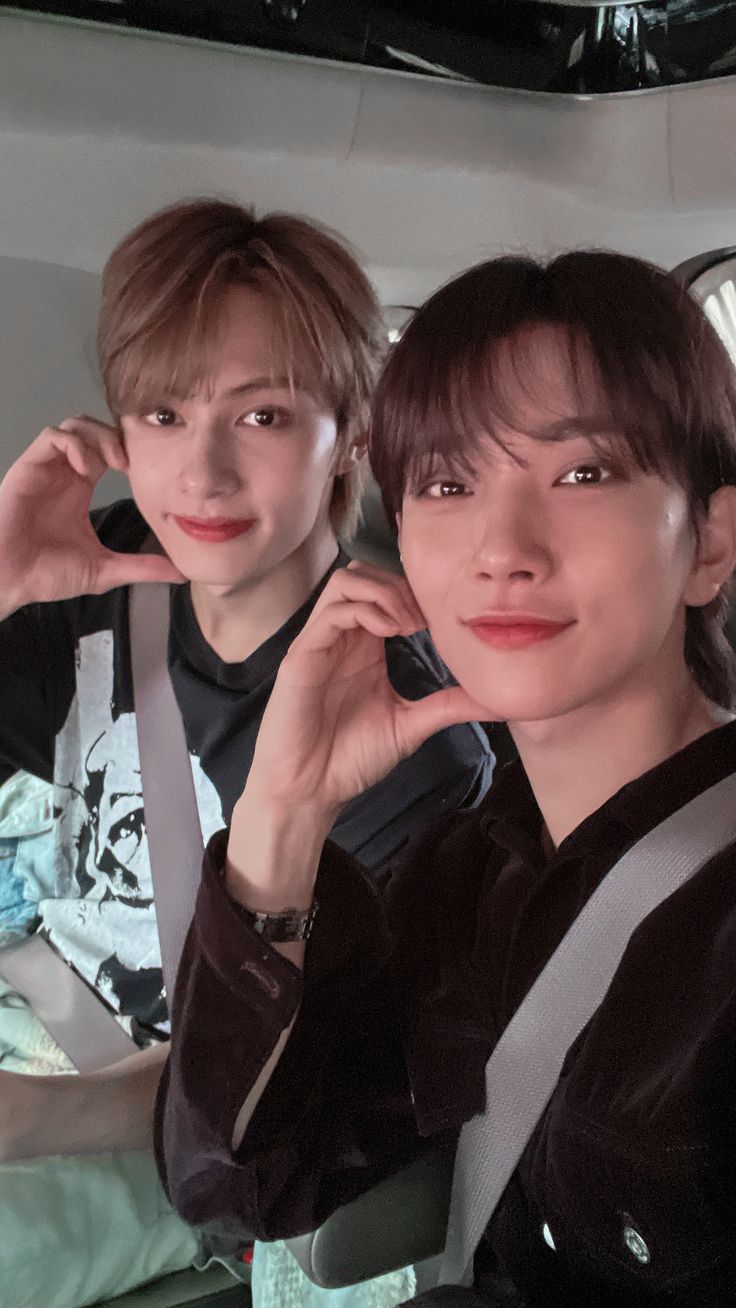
column 222, row 582
column 519, row 709
column 208, row 565
column 527, row 701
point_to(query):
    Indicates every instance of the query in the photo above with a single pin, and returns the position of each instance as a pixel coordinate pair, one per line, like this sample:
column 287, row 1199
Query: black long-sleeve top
column 624, row 1195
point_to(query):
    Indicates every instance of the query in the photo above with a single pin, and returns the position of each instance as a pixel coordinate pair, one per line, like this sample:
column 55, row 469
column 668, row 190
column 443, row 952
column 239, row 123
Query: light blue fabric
column 73, row 1231
column 278, row 1279
column 26, row 853
column 120, row 1190
column 17, row 915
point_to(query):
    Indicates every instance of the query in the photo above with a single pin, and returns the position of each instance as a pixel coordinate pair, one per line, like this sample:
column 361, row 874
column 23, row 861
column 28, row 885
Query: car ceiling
column 99, row 126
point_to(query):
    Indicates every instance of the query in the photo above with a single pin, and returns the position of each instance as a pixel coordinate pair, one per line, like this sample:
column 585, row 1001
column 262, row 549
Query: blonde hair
column 162, row 291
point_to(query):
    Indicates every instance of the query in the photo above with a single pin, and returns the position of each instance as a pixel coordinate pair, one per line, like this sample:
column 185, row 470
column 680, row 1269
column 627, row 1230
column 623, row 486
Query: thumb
column 445, row 708
column 127, row 569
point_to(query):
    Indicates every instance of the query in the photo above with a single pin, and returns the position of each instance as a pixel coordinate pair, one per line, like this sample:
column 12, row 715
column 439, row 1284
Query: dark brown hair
column 660, row 368
column 162, row 293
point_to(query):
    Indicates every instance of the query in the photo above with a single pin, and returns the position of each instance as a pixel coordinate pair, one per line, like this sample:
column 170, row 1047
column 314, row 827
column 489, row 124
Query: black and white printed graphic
column 102, row 918
column 66, row 713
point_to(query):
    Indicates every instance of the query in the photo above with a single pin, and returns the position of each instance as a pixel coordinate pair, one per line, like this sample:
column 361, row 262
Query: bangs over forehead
column 162, row 299
column 641, row 357
column 174, row 353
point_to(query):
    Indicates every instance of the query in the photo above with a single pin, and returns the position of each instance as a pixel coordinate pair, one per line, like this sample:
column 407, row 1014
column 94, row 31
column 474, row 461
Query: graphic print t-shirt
column 67, row 714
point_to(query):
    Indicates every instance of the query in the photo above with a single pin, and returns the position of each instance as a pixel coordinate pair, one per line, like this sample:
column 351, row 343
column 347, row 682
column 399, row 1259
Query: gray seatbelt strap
column 72, row 1013
column 525, row 1066
column 173, row 830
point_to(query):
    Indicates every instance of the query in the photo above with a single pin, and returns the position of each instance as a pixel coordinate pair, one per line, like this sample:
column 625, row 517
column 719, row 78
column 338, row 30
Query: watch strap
column 278, row 928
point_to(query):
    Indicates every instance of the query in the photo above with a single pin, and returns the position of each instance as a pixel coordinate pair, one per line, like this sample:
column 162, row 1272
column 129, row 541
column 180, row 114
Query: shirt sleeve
column 336, row 1115
column 35, row 661
column 37, row 658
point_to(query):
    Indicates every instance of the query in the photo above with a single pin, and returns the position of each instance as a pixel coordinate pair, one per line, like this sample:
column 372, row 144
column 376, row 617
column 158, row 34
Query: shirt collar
column 511, row 818
column 264, row 662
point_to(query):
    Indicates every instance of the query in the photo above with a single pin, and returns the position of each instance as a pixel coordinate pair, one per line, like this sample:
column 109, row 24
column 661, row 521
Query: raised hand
column 48, row 547
column 333, row 727
column 334, row 724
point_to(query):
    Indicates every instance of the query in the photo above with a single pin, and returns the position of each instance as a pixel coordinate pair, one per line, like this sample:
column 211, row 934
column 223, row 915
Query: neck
column 578, row 761
column 236, row 621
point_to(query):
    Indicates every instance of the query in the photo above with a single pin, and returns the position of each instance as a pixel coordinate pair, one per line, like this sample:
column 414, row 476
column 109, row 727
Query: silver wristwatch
column 278, row 928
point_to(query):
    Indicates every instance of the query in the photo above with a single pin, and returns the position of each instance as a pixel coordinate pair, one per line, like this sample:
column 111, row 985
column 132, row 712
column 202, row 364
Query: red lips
column 214, row 530
column 515, row 630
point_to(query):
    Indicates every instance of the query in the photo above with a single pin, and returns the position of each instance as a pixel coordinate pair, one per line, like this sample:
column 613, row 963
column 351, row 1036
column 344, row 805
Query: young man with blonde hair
column 238, row 357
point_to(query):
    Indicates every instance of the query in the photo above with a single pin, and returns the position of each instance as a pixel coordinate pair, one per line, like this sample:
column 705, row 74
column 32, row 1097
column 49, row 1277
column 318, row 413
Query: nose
column 209, row 470
column 511, row 541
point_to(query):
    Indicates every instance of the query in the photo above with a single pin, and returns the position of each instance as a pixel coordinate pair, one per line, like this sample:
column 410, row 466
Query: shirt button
column 636, row 1245
column 548, row 1238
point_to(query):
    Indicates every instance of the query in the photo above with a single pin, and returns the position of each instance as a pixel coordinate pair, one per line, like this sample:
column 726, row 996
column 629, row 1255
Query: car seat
column 214, row 1288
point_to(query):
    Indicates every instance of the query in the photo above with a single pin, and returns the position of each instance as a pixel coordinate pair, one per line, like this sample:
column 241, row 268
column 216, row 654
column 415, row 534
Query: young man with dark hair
column 557, row 444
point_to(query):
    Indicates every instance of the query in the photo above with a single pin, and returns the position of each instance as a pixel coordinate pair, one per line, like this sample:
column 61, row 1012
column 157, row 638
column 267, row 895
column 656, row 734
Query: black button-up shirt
column 625, row 1193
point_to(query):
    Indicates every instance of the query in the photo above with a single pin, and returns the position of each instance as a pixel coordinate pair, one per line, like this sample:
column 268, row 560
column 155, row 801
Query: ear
column 715, row 559
column 352, row 455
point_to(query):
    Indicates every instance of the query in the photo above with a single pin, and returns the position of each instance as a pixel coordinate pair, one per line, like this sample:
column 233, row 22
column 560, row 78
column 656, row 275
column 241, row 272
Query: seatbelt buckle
column 233, row 1253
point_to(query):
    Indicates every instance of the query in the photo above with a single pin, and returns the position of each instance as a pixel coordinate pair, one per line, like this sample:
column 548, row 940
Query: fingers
column 349, row 615
column 361, row 583
column 359, row 597
column 85, row 460
column 395, row 581
column 128, row 569
column 89, row 447
column 99, row 436
column 417, row 720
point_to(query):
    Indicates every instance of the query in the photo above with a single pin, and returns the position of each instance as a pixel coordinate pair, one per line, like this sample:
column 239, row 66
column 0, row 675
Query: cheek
column 304, row 465
column 643, row 533
column 148, row 467
column 307, row 456
column 630, row 580
column 291, row 492
column 324, row 441
column 661, row 559
column 429, row 571
column 317, row 468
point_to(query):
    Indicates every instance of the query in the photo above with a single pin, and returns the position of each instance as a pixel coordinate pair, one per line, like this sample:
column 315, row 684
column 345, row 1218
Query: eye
column 162, row 417
column 128, row 827
column 586, row 474
column 444, row 490
column 267, row 415
column 125, row 835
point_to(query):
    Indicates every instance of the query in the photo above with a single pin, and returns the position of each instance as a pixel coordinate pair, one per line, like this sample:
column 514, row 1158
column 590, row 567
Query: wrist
column 273, row 855
column 22, row 1111
column 39, row 1115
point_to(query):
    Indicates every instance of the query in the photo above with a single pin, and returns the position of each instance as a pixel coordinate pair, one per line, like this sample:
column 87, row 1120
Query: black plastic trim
column 689, row 271
column 532, row 45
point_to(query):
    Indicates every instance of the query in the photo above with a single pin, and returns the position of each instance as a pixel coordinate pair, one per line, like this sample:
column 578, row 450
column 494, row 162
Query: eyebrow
column 265, row 384
column 567, row 429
